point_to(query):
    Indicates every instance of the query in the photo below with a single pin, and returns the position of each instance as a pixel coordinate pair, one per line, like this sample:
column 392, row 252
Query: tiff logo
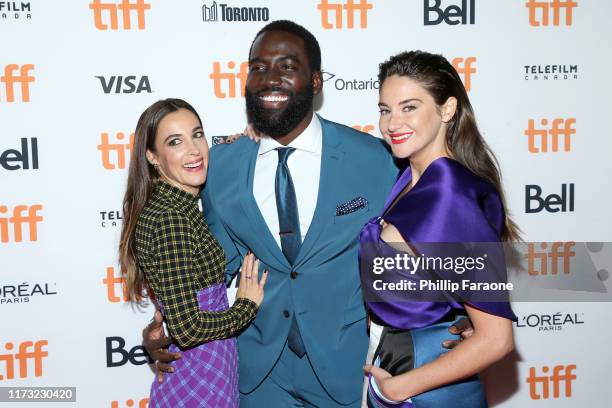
column 143, row 403
column 24, row 79
column 558, row 127
column 541, row 18
column 561, row 374
column 126, row 8
column 112, row 282
column 230, row 78
column 451, row 15
column 126, row 85
column 364, row 128
column 540, row 262
column 465, row 68
column 18, row 219
column 24, row 354
column 350, row 7
column 122, row 151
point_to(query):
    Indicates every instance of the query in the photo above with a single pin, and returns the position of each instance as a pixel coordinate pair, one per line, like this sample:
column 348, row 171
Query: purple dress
column 450, row 211
column 206, row 375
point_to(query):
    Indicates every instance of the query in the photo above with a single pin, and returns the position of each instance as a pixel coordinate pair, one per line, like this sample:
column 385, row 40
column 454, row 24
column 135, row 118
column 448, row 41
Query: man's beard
column 276, row 123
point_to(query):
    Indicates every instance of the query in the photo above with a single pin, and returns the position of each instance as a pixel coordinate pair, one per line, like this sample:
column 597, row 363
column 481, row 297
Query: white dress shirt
column 305, row 168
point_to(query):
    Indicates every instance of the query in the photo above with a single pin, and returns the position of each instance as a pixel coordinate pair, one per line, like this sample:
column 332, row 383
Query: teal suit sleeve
column 216, row 226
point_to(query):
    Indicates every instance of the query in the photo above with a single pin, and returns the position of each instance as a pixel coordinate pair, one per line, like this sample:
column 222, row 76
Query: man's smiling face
column 279, row 88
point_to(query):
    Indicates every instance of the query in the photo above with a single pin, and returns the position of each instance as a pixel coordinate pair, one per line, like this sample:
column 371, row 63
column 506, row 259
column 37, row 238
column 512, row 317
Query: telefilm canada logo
column 110, row 218
column 24, row 291
column 550, row 322
column 550, row 72
column 15, row 10
column 350, row 84
column 226, row 13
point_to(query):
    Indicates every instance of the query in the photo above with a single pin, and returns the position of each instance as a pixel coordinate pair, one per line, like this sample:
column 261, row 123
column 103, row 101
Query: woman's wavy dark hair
column 463, row 139
column 141, row 181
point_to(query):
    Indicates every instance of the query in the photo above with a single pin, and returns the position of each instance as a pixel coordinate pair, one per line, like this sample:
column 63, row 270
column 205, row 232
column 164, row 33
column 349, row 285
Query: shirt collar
column 309, row 140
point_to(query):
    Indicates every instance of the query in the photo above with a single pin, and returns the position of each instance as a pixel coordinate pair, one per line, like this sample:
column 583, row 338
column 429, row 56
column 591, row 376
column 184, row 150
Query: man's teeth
column 193, row 165
column 272, row 98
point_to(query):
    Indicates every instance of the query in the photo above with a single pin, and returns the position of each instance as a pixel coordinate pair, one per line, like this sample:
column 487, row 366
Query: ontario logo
column 350, row 84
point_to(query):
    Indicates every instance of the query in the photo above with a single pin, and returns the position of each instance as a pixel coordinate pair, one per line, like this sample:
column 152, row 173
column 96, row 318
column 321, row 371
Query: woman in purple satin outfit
column 451, row 194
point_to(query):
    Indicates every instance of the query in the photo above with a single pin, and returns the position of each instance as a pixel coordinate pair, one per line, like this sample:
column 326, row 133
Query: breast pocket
column 357, row 215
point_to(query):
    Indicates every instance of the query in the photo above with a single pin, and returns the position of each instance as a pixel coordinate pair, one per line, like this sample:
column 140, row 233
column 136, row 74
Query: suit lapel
column 331, row 174
column 263, row 243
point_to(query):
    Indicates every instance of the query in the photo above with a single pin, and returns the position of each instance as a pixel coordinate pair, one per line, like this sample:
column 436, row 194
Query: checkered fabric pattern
column 183, row 264
column 206, row 376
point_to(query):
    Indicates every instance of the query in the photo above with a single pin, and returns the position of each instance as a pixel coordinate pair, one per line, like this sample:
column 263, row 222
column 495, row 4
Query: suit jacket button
column 286, row 313
column 294, row 275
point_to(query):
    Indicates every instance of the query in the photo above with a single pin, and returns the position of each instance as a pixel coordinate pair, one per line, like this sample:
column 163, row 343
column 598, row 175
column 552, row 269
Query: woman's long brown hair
column 463, row 139
column 141, row 180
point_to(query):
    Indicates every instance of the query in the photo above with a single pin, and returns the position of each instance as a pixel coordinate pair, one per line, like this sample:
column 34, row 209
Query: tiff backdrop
column 75, row 76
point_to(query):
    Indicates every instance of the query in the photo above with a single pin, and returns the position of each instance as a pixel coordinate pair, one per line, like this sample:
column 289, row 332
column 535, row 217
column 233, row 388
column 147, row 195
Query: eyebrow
column 405, row 101
column 290, row 56
column 179, row 134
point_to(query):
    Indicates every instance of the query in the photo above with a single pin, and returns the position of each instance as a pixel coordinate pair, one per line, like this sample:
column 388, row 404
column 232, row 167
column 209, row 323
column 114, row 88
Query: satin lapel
column 331, row 175
column 263, row 244
column 399, row 185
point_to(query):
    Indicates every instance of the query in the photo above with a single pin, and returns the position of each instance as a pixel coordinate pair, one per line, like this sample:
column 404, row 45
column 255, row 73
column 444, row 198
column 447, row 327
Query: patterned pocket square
column 351, row 206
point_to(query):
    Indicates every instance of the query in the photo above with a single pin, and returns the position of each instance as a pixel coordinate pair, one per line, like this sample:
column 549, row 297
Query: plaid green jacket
column 179, row 256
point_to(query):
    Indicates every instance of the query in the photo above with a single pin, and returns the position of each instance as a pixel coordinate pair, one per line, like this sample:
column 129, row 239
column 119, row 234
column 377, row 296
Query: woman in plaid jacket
column 168, row 253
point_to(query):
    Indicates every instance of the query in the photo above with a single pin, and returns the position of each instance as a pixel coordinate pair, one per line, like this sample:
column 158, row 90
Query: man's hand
column 249, row 132
column 156, row 343
column 463, row 327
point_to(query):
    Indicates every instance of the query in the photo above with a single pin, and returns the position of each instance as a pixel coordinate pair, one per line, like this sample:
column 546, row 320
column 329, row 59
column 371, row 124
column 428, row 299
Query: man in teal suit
column 318, row 290
column 297, row 200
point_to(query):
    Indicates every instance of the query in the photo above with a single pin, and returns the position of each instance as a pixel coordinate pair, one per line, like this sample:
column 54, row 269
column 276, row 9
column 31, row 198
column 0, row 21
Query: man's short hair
column 313, row 51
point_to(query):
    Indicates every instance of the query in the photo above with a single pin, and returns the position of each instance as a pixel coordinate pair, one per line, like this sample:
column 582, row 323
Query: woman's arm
column 492, row 340
column 177, row 282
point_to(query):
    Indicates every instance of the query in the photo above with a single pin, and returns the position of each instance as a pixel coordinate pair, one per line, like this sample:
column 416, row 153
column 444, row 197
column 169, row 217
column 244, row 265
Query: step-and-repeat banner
column 75, row 76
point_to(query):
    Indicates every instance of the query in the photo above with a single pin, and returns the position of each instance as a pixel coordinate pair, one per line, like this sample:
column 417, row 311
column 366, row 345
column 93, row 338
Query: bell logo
column 351, row 8
column 28, row 350
column 230, row 78
column 24, row 79
column 21, row 159
column 539, row 386
column 558, row 127
column 465, row 68
column 451, row 15
column 364, row 128
column 114, row 284
column 539, row 12
column 540, row 262
column 32, row 219
column 122, row 151
column 126, row 8
column 143, row 403
column 137, row 355
column 552, row 203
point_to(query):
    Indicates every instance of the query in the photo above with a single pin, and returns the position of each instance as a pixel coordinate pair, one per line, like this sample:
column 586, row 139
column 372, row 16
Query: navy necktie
column 289, row 226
